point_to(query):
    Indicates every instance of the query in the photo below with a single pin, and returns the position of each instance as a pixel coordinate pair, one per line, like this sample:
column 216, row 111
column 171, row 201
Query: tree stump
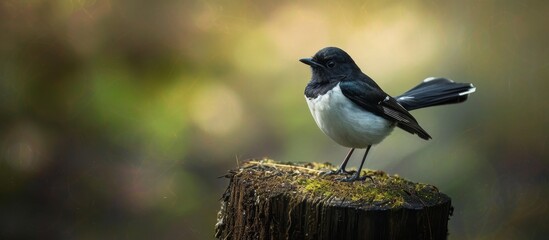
column 269, row 200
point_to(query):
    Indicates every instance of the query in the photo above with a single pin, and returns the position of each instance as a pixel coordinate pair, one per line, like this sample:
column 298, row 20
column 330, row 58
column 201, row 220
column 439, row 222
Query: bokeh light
column 216, row 110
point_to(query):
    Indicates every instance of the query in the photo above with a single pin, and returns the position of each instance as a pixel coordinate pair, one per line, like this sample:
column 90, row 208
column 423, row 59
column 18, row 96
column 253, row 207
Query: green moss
column 318, row 186
column 377, row 195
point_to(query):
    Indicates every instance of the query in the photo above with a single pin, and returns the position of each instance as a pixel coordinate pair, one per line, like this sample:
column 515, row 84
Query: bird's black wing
column 378, row 102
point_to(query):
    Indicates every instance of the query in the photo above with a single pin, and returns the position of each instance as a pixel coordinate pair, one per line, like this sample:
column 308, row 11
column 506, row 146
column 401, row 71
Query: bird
column 351, row 108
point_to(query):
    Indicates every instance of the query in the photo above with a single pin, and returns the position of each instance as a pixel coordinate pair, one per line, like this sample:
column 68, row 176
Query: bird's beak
column 310, row 62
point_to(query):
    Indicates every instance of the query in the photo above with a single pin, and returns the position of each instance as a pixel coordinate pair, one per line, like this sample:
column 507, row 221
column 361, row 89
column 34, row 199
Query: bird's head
column 331, row 64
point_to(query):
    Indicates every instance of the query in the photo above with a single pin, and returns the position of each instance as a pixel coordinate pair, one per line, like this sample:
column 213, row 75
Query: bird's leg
column 356, row 175
column 341, row 169
column 344, row 163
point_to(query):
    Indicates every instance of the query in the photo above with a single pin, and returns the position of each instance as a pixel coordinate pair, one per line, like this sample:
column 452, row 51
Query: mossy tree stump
column 268, row 200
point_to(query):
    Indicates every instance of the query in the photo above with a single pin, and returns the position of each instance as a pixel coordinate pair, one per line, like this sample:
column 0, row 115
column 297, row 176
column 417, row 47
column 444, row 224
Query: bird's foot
column 337, row 172
column 355, row 177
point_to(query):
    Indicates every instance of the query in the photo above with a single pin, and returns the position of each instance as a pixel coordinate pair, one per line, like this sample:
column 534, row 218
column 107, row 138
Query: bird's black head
column 331, row 64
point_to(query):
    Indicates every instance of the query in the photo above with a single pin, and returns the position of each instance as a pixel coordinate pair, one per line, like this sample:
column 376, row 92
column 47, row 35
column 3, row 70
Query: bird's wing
column 381, row 104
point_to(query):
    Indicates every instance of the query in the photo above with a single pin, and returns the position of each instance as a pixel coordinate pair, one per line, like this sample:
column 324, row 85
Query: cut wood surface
column 270, row 200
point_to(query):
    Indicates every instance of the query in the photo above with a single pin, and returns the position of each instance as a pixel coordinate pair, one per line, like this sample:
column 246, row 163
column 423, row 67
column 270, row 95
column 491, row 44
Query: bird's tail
column 435, row 91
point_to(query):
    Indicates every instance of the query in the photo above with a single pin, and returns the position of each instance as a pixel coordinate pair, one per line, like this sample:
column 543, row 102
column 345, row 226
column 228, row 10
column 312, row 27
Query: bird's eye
column 331, row 64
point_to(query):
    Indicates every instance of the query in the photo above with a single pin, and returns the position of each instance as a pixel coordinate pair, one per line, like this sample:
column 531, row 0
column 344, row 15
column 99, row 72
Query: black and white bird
column 355, row 112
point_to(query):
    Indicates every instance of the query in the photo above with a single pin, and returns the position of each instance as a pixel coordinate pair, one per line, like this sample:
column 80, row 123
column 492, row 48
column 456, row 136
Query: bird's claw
column 336, row 172
column 355, row 177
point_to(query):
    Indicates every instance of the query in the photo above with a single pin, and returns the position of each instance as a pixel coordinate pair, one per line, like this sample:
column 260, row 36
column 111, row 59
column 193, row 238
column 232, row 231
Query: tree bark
column 269, row 200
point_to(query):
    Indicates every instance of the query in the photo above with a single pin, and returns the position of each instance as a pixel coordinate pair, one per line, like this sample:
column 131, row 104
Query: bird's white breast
column 347, row 123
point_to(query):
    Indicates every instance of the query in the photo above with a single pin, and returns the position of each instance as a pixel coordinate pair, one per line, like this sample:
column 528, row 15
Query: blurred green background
column 117, row 117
